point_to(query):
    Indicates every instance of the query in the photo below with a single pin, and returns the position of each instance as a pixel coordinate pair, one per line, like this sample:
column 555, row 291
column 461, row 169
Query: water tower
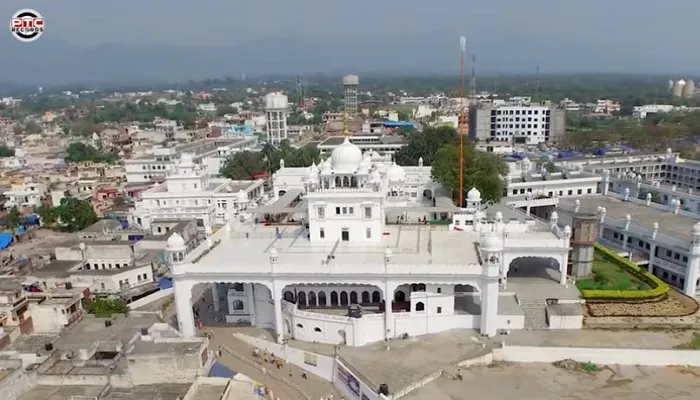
column 350, row 84
column 584, row 235
column 276, row 109
column 688, row 89
column 678, row 88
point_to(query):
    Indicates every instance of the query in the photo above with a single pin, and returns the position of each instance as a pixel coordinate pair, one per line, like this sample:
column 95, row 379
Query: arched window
column 365, row 297
column 343, row 298
column 376, row 297
column 289, row 296
column 400, row 297
column 301, row 299
column 300, row 326
column 338, row 182
column 317, row 329
column 353, row 297
column 321, row 299
column 334, row 298
column 346, row 181
column 312, row 299
column 420, row 306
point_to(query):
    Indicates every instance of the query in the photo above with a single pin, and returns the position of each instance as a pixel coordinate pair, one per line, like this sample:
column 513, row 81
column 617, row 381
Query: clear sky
column 591, row 35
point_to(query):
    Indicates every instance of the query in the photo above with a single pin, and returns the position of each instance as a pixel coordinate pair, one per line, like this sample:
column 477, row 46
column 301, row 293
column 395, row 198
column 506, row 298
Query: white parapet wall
column 605, row 356
column 151, row 298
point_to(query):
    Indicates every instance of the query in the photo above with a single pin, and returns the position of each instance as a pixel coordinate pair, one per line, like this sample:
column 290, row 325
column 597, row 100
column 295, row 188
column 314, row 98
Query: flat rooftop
column 64, row 392
column 364, row 140
column 91, row 329
column 674, row 225
column 170, row 391
column 142, row 347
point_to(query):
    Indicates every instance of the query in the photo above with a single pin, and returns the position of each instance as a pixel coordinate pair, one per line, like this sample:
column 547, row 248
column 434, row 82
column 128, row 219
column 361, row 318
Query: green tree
column 81, row 152
column 6, row 151
column 482, row 170
column 47, row 214
column 74, row 214
column 243, row 165
column 425, row 144
column 104, row 308
column 655, row 195
column 32, row 127
column 14, row 218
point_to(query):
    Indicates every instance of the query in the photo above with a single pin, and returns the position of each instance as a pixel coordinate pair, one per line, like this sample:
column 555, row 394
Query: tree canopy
column 6, row 151
column 425, row 144
column 80, row 152
column 244, row 165
column 482, row 170
column 74, row 214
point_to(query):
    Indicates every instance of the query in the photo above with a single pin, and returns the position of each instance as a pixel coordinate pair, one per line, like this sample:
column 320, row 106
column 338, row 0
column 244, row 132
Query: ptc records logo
column 27, row 25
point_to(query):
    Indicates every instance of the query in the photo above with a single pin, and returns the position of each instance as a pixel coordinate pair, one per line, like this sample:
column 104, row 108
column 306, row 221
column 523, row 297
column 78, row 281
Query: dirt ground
column 547, row 382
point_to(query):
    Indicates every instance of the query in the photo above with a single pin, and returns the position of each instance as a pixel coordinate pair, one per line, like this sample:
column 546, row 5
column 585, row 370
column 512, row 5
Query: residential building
column 53, row 312
column 384, row 144
column 28, row 193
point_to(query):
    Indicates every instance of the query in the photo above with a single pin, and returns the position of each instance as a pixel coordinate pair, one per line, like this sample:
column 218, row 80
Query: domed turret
column 325, row 167
column 395, row 173
column 346, row 157
column 474, row 194
column 175, row 243
column 491, row 243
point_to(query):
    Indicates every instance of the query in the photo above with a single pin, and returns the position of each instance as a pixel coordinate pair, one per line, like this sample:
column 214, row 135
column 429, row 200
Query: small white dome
column 175, row 242
column 325, row 167
column 346, row 157
column 241, row 196
column 491, row 243
column 311, row 174
column 314, row 167
column 474, row 194
column 395, row 173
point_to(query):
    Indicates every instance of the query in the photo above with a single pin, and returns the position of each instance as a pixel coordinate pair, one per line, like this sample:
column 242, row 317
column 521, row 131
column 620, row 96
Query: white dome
column 474, row 195
column 311, row 174
column 175, row 242
column 346, row 157
column 490, row 243
column 241, row 196
column 395, row 173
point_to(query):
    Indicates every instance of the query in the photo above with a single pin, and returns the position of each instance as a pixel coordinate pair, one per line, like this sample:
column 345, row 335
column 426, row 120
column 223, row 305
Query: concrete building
column 380, row 143
column 189, row 193
column 276, row 110
column 53, row 312
column 349, row 235
column 517, row 124
column 154, row 167
column 25, row 194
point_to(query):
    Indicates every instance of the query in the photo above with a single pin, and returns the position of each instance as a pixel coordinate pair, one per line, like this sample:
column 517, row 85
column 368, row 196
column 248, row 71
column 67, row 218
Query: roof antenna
column 537, row 83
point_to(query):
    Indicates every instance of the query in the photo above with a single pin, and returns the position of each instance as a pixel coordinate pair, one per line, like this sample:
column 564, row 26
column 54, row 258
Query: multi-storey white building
column 530, row 125
column 190, row 194
column 351, row 232
column 276, row 109
column 154, row 167
column 379, row 143
column 25, row 194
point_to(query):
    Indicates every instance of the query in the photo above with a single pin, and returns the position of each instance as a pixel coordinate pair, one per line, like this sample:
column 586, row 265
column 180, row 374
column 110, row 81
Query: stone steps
column 535, row 314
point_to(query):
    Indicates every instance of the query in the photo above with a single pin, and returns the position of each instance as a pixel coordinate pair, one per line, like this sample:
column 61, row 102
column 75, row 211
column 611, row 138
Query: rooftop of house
column 10, row 284
column 91, row 329
column 386, row 139
column 172, row 391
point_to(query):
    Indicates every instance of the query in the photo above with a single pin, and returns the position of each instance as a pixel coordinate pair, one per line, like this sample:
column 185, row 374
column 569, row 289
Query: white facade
column 190, row 194
column 276, row 109
column 344, row 251
column 530, row 122
column 25, row 194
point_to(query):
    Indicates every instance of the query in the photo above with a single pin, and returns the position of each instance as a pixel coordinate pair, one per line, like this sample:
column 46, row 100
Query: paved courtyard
column 547, row 382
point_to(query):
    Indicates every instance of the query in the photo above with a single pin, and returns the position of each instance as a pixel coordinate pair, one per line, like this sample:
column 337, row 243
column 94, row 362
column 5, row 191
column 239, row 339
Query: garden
column 620, row 288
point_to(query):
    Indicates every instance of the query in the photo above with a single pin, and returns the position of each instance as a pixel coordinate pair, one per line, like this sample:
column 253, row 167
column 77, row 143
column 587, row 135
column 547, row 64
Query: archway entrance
column 542, row 268
column 467, row 300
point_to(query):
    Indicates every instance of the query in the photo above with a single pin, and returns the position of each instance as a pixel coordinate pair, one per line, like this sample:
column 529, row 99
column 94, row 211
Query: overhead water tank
column 670, row 85
column 688, row 90
column 678, row 88
column 276, row 101
column 351, row 80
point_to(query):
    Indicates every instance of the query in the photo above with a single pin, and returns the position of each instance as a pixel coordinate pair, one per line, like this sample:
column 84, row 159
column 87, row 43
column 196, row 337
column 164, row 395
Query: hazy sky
column 591, row 35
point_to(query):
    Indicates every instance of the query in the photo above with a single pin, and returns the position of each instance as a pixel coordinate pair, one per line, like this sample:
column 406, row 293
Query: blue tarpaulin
column 165, row 283
column 399, row 124
column 220, row 371
column 5, row 240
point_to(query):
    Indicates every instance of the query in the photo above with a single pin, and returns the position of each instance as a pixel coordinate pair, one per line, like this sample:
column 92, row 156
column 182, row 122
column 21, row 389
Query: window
column 351, row 210
column 322, row 233
column 237, row 305
column 345, row 210
column 300, row 326
column 368, row 212
column 420, row 306
column 321, row 212
column 337, row 211
column 439, row 290
column 368, row 233
column 317, row 329
column 439, row 310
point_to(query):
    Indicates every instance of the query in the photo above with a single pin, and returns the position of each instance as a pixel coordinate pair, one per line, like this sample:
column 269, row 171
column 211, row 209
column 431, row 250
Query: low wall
column 151, row 298
column 417, row 385
column 531, row 354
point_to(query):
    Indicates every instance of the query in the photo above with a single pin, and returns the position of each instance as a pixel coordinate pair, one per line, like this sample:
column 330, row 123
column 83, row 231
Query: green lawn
column 608, row 275
column 694, row 344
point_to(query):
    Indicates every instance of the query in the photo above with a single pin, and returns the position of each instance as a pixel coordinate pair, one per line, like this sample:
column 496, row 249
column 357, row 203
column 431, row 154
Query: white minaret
column 491, row 247
column 276, row 109
column 691, row 281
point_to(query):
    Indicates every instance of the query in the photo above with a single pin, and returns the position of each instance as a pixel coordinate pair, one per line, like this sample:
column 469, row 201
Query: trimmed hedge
column 658, row 287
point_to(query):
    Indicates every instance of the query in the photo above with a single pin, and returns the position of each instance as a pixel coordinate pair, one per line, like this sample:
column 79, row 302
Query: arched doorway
column 334, row 299
column 343, row 299
column 399, row 297
column 289, row 296
column 365, row 297
column 321, row 299
column 376, row 297
column 301, row 299
column 542, row 268
column 467, row 300
column 353, row 297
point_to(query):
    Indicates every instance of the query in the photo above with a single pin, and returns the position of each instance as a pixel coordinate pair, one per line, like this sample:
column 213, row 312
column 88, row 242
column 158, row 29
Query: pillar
column 215, row 296
column 277, row 299
column 183, row 306
column 652, row 252
column 489, row 308
column 250, row 295
column 563, row 268
column 388, row 311
column 692, row 277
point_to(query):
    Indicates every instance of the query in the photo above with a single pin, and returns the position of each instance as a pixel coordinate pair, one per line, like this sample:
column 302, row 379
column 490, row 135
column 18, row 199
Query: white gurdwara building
column 352, row 232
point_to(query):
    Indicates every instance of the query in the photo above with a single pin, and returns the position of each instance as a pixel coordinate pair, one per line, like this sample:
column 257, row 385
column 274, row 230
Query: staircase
column 535, row 314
